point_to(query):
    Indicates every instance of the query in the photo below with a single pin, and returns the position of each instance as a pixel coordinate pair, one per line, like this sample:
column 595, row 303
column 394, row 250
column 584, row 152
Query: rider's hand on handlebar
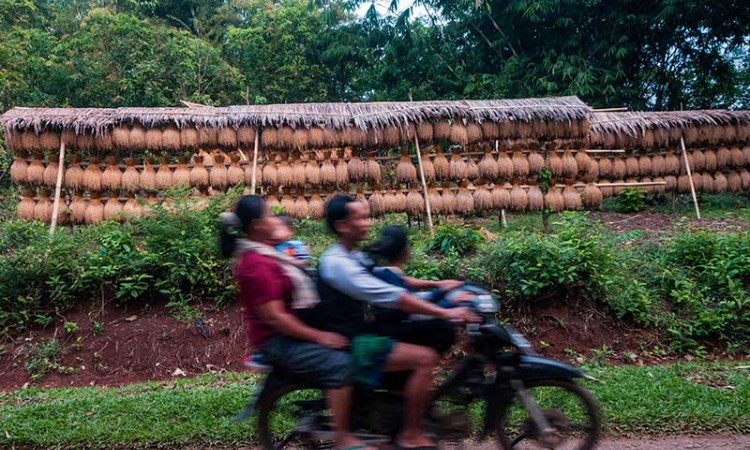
column 462, row 315
column 463, row 297
column 333, row 341
column 449, row 285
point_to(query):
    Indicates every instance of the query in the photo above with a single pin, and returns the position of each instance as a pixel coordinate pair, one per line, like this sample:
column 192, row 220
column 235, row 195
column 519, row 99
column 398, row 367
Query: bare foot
column 415, row 441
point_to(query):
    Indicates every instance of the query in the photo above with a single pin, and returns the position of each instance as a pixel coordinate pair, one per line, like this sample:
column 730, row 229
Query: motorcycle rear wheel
column 278, row 419
column 580, row 419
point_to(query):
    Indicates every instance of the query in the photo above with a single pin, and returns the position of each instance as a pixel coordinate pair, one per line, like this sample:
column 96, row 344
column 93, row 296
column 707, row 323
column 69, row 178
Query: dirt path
column 674, row 443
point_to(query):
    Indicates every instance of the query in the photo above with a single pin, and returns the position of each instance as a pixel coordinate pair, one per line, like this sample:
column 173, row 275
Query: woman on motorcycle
column 273, row 289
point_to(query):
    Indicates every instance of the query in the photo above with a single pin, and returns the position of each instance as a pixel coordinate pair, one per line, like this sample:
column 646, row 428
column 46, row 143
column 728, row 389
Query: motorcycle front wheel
column 288, row 416
column 570, row 410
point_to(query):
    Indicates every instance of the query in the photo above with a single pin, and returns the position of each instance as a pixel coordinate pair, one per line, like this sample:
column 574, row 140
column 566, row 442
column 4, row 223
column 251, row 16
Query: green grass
column 688, row 397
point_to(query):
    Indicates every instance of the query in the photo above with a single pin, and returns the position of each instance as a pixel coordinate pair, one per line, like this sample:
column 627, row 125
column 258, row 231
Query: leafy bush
column 630, row 200
column 459, row 239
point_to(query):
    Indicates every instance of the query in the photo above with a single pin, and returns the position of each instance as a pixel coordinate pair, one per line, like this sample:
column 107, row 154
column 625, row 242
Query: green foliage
column 45, row 357
column 630, row 200
column 460, row 239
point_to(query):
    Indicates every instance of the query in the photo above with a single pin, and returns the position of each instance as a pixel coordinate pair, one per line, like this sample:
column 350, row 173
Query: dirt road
column 676, row 443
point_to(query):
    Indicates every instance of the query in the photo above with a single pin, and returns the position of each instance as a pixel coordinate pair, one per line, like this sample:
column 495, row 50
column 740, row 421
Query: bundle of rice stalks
column 633, row 167
column 592, row 172
column 554, row 163
column 342, row 173
column 131, row 209
column 235, row 174
column 301, row 207
column 483, row 200
column 391, row 136
column 671, row 163
column 606, row 168
column 697, row 181
column 43, row 207
column 103, row 142
column 405, row 171
column 35, row 170
column 272, row 199
column 208, row 137
column 30, row 141
column 683, row 167
column 399, row 199
column 92, row 176
column 569, row 165
column 464, row 200
column 488, row 165
column 49, row 140
column 441, row 164
column 356, row 168
column 504, row 166
column 181, row 174
column 671, row 181
column 171, row 138
column 315, row 207
column 425, row 132
column 734, row 182
column 683, row 184
column 448, row 199
column 312, row 171
column 153, row 139
column 619, row 168
column 414, row 203
column 535, row 198
column 285, row 173
column 164, row 175
column 474, row 133
column 618, row 189
column 113, row 207
column 271, row 174
column 298, row 172
column 94, row 210
column 287, row 202
column 189, row 138
column 19, row 169
column 699, row 160
column 572, row 198
column 218, row 174
column 25, row 209
column 85, row 141
column 583, row 160
column 490, row 130
column 500, row 197
column 327, row 170
column 121, row 137
column 130, row 179
column 708, row 186
column 472, row 170
column 723, row 158
column 428, row 168
column 112, row 176
column 407, row 133
column 285, row 137
column 536, row 162
column 720, row 182
column 442, row 130
column 659, row 189
column 316, row 137
column 658, row 165
column 389, row 199
column 137, row 137
column 49, row 175
column 592, row 196
column 373, row 169
column 745, row 177
column 199, row 176
column 458, row 170
column 607, row 191
column 77, row 209
column 459, row 133
column 377, row 202
column 248, row 170
column 554, row 200
column 645, row 165
column 520, row 164
column 246, row 136
column 746, row 155
column 736, row 157
column 519, row 200
column 435, row 200
column 712, row 162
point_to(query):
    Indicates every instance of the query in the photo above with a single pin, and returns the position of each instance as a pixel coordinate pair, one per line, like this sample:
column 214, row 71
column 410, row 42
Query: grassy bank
column 680, row 398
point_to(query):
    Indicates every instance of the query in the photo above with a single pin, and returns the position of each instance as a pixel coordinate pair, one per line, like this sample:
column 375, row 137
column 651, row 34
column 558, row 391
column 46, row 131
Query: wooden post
column 424, row 186
column 690, row 177
column 58, row 188
column 255, row 159
column 503, row 219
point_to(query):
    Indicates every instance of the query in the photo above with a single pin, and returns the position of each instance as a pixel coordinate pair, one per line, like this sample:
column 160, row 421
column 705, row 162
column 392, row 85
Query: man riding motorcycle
column 346, row 289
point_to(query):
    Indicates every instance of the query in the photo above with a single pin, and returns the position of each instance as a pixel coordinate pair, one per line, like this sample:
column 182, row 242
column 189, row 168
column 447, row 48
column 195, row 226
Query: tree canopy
column 665, row 54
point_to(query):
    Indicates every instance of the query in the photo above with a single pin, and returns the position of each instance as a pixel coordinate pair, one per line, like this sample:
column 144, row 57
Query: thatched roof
column 365, row 116
column 665, row 128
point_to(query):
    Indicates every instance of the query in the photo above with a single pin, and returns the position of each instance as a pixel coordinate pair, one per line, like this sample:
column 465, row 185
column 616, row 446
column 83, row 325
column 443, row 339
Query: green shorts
column 369, row 354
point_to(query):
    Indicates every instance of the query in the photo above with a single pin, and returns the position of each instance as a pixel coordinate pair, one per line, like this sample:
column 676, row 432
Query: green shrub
column 459, row 239
column 630, row 200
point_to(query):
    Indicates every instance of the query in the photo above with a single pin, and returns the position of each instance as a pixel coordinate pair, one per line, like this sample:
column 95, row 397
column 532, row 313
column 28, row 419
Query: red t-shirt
column 260, row 279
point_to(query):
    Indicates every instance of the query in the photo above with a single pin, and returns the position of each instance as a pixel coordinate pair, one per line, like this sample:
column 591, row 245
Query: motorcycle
column 529, row 401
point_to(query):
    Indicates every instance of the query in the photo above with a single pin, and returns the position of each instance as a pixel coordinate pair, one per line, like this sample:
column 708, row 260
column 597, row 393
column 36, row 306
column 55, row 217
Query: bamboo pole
column 58, row 188
column 690, row 178
column 424, row 186
column 255, row 160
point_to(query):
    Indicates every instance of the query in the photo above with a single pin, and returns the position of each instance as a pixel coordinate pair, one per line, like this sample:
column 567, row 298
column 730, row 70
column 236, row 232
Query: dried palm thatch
column 720, row 182
column 25, row 209
column 632, row 166
column 448, row 199
column 554, row 200
column 464, row 200
column 92, row 176
column 519, row 200
column 520, row 164
column 49, row 175
column 535, row 198
column 488, row 165
column 235, row 174
column 19, row 168
column 199, row 176
column 425, row 132
column 414, row 203
column 327, row 170
column 43, row 207
column 94, row 210
column 373, row 169
column 442, row 166
column 745, row 177
column 500, row 197
column 504, row 166
column 606, row 168
column 554, row 163
column 405, row 171
column 35, row 170
column 112, row 176
column 569, row 165
column 482, row 198
column 572, row 198
column 592, row 196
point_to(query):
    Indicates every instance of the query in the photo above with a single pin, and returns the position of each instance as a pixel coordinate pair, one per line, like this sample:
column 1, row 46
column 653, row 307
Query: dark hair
column 337, row 209
column 285, row 218
column 247, row 209
column 391, row 244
